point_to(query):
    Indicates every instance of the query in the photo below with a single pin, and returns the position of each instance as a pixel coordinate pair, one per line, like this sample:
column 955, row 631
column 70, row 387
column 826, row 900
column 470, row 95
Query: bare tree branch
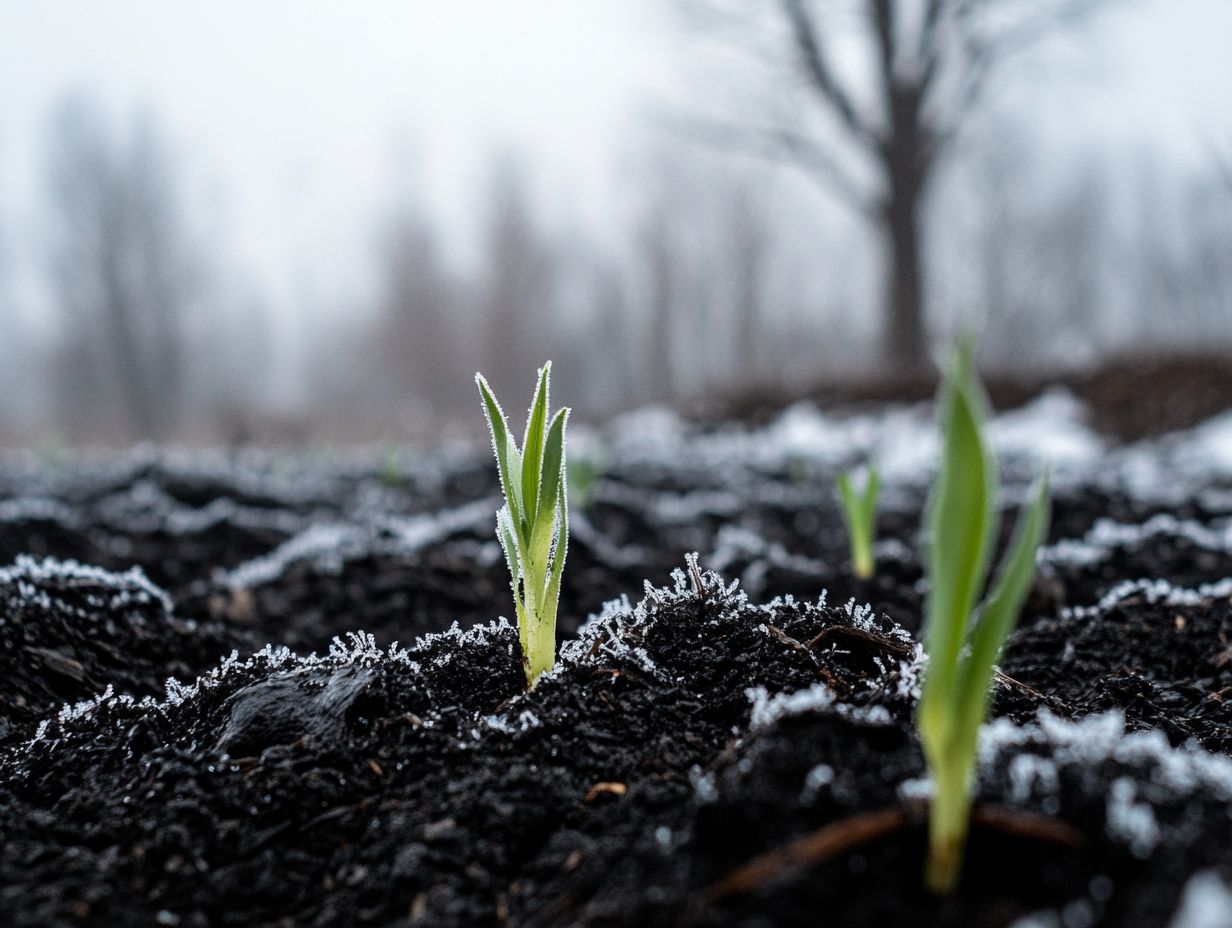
column 933, row 64
column 817, row 68
column 776, row 143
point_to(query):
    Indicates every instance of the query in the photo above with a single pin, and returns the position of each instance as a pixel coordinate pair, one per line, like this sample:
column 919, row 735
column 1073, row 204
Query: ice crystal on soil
column 1207, row 899
column 121, row 590
column 1153, row 591
column 1160, row 772
column 330, row 545
column 768, row 709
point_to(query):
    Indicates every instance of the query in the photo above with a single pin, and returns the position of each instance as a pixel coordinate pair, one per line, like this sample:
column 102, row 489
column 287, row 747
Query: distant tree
column 423, row 321
column 518, row 282
column 1181, row 259
column 1037, row 255
column 877, row 143
column 613, row 374
column 122, row 269
column 747, row 251
column 661, row 264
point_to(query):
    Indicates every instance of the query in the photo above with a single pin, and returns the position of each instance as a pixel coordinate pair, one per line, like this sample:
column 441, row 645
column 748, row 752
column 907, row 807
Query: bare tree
column 877, row 144
column 519, row 282
column 747, row 252
column 661, row 264
column 121, row 265
column 422, row 326
column 1181, row 258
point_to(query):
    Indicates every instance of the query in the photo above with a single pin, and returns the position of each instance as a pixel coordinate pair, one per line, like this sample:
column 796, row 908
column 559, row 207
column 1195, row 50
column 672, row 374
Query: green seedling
column 533, row 525
column 963, row 642
column 393, row 469
column 860, row 514
column 585, row 471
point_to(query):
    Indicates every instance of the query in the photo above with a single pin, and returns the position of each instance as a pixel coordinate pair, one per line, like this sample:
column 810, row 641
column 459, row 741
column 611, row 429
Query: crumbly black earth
column 68, row 632
column 1168, row 667
column 190, row 530
column 427, row 788
column 363, row 789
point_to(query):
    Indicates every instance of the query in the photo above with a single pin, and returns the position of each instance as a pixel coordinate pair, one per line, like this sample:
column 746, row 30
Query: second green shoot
column 860, row 514
column 963, row 642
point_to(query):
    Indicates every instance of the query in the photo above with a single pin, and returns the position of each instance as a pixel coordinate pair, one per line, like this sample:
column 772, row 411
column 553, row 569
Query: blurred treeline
column 720, row 273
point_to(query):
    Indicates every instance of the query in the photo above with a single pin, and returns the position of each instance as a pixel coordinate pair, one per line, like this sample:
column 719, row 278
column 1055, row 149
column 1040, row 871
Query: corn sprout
column 860, row 514
column 963, row 642
column 533, row 525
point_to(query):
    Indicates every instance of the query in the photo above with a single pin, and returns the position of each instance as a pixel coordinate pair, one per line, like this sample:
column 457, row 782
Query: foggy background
column 313, row 222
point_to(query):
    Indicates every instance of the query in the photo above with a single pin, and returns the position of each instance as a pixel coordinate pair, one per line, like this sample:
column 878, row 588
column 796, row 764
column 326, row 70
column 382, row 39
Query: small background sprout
column 860, row 514
column 533, row 525
column 585, row 471
column 964, row 643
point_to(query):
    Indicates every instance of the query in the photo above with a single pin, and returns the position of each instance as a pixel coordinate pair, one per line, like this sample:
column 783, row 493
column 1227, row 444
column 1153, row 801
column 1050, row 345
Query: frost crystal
column 1205, row 903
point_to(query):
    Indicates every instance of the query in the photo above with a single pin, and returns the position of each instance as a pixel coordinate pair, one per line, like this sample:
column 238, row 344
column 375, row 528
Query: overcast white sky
column 293, row 119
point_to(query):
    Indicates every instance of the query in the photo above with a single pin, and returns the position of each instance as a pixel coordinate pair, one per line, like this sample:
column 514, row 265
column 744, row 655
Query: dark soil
column 658, row 777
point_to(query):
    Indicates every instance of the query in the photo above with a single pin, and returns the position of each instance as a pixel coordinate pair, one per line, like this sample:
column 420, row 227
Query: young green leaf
column 533, row 524
column 1000, row 612
column 963, row 643
column 532, row 446
column 508, row 463
column 860, row 514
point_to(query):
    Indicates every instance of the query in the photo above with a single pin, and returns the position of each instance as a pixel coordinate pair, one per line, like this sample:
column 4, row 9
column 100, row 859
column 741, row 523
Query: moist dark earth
column 275, row 690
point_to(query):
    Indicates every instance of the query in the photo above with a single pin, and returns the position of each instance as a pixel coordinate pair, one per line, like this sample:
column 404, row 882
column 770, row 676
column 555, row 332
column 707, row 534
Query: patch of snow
column 1206, row 902
column 916, row 788
column 704, row 783
column 767, row 709
column 1211, row 443
column 123, row 589
column 1051, row 427
column 1152, row 591
column 1038, row 920
column 820, row 776
column 330, row 545
column 1131, row 821
column 1160, row 771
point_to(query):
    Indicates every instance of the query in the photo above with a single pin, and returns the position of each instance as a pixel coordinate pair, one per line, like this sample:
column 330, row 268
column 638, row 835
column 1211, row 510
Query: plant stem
column 862, row 557
column 947, row 831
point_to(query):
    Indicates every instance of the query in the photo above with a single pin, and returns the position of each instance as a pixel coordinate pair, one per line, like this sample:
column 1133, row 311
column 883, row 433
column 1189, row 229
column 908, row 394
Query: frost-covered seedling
column 963, row 642
column 860, row 514
column 533, row 525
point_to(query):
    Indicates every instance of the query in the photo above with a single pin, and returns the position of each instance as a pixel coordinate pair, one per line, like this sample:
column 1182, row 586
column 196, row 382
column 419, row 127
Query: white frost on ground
column 1153, row 591
column 1051, row 427
column 356, row 649
column 1209, row 445
column 1107, row 535
column 767, row 709
column 1160, row 771
column 122, row 589
column 329, row 545
column 735, row 544
column 900, row 440
column 1206, row 902
column 818, row 777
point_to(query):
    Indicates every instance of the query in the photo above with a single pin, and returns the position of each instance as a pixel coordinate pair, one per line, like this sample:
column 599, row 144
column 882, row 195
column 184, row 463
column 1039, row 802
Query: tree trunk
column 904, row 342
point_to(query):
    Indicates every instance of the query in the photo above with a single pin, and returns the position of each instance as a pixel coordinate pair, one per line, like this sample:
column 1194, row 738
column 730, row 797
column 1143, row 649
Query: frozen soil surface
column 206, row 716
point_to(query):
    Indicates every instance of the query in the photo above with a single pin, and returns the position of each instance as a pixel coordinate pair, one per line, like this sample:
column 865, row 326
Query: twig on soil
column 695, row 575
column 813, row 849
column 842, row 837
column 796, row 645
column 876, row 642
column 1028, row 825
